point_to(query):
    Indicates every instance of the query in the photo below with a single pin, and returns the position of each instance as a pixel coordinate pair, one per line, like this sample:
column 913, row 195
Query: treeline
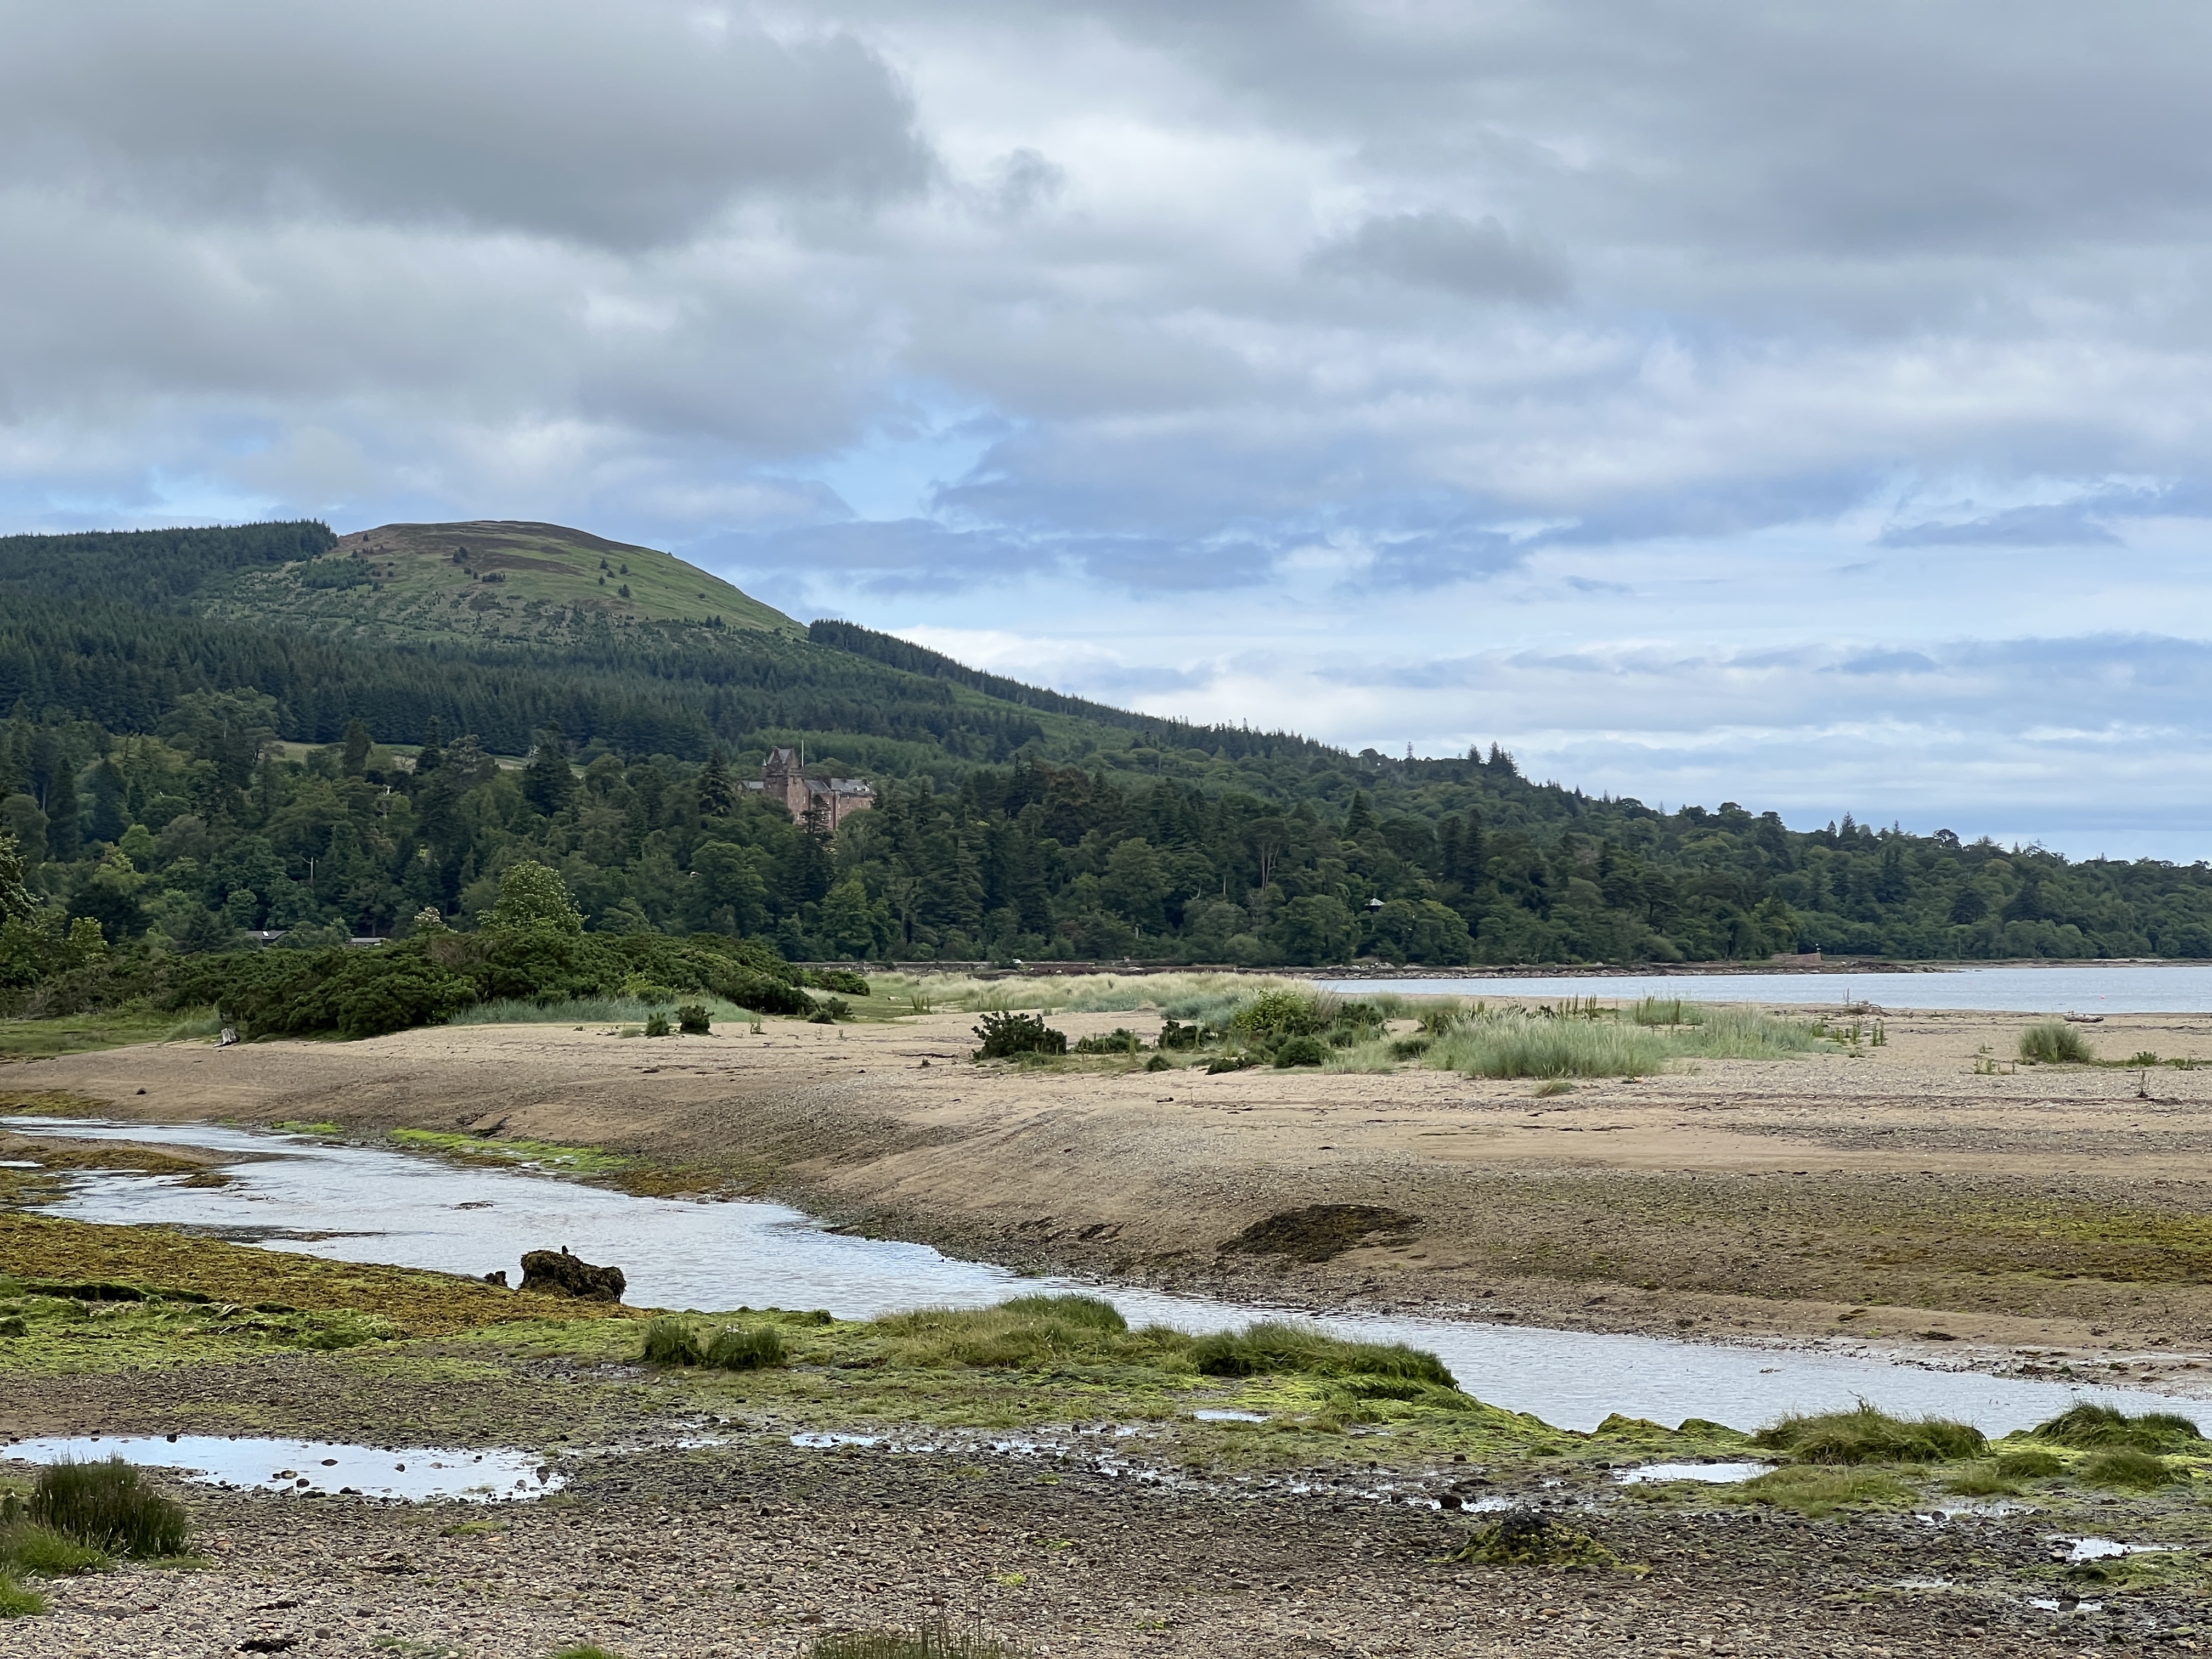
column 187, row 842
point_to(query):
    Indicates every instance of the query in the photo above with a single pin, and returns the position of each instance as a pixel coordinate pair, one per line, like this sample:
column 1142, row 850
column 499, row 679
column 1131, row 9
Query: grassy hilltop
column 490, row 582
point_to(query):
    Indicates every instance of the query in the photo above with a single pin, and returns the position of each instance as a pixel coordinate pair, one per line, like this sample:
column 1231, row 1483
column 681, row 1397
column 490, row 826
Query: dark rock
column 497, row 1276
column 556, row 1273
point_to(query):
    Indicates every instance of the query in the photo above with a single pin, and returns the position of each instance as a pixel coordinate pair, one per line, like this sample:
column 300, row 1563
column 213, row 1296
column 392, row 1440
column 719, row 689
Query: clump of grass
column 2028, row 1466
column 587, row 1650
column 1274, row 1346
column 939, row 1639
column 747, row 1348
column 1745, row 1034
column 2106, row 1427
column 672, row 1341
column 1983, row 1480
column 2053, row 1043
column 109, row 1506
column 1818, row 1491
column 1377, row 1054
column 27, row 1548
column 1869, row 1436
column 1029, row 1332
column 1527, row 1538
column 1510, row 1044
column 1670, row 1011
column 16, row 1602
column 2130, row 1470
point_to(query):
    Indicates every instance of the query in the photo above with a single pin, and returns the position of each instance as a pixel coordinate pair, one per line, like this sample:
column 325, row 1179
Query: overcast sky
column 1800, row 404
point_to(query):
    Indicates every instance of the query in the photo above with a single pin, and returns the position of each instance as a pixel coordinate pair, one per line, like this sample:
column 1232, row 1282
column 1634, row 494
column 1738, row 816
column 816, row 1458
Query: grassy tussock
column 1868, row 1436
column 1512, row 1045
column 17, row 1603
column 673, row 1340
column 1818, row 1491
column 40, row 1552
column 2101, row 1428
column 109, row 1506
column 2053, row 1043
column 2126, row 1470
column 1273, row 1347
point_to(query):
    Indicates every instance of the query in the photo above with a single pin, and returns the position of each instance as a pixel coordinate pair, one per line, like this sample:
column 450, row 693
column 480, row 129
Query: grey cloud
column 1440, row 250
column 624, row 125
column 2068, row 525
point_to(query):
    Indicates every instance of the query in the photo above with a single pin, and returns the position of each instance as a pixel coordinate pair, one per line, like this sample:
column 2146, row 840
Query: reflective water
column 275, row 1465
column 1723, row 1475
column 2068, row 988
column 367, row 1204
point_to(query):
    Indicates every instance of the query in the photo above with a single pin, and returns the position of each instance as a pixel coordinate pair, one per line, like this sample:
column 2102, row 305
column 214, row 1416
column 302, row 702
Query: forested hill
column 213, row 731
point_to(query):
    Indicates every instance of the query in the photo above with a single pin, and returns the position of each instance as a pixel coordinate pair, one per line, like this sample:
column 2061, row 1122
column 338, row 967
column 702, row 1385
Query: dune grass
column 1869, row 1436
column 590, row 1011
column 2054, row 1042
column 1508, row 1042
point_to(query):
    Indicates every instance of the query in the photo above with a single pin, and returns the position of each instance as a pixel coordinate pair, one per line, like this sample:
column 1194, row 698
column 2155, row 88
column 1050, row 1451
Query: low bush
column 843, row 981
column 1272, row 1015
column 1818, row 1491
column 1410, row 1047
column 1174, row 1034
column 656, row 1024
column 1006, row 1035
column 1300, row 1051
column 2105, row 1427
column 692, row 1020
column 1868, row 1436
column 747, row 1348
column 109, row 1506
column 2128, row 1470
column 2052, row 1041
column 1159, row 1063
column 1221, row 1063
column 1119, row 1041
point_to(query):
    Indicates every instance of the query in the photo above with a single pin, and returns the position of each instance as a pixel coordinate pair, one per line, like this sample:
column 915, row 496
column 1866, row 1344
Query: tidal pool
column 414, row 1472
column 369, row 1204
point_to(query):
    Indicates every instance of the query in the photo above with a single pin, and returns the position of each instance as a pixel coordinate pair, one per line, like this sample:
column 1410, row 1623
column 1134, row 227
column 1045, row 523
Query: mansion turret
column 833, row 799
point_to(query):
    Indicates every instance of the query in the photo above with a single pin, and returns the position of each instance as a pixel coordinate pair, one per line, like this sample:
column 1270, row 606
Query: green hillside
column 489, row 581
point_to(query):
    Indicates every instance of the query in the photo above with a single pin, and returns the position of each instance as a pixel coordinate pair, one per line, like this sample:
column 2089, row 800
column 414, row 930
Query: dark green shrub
column 672, row 1341
column 838, row 979
column 2131, row 1470
column 746, row 1348
column 829, row 1011
column 1301, row 1051
column 110, row 1505
column 2101, row 1427
column 1868, row 1436
column 656, row 1024
column 1409, row 1048
column 1118, row 1041
column 691, row 1020
column 1174, row 1034
column 2053, row 1041
column 1006, row 1035
column 1156, row 1063
column 1272, row 1016
column 1221, row 1063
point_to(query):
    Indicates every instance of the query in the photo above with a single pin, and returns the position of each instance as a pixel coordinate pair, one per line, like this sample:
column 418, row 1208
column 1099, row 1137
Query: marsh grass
column 2054, row 1042
column 17, row 1603
column 747, row 1348
column 1869, row 1436
column 1279, row 1347
column 2101, row 1428
column 1820, row 1491
column 1984, row 1480
column 2127, row 1470
column 108, row 1505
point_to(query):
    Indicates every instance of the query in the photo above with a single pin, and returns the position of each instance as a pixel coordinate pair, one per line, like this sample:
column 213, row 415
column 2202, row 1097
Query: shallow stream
column 367, row 1203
